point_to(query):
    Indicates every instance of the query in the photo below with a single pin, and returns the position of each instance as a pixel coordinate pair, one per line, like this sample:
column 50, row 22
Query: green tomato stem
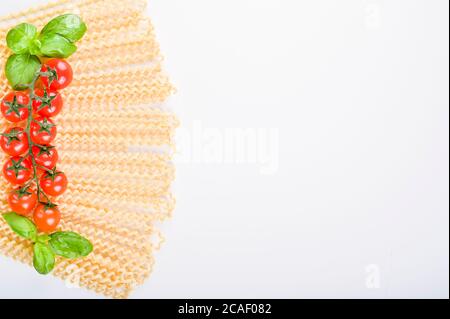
column 33, row 97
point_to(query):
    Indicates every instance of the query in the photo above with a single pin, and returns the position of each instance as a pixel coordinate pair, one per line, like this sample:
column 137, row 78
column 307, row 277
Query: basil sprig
column 45, row 247
column 56, row 40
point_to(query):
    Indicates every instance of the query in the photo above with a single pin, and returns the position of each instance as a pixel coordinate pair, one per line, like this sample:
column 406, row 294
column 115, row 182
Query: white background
column 358, row 91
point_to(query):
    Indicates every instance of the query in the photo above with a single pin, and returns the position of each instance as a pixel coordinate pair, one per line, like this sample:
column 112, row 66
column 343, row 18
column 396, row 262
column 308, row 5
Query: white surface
column 358, row 93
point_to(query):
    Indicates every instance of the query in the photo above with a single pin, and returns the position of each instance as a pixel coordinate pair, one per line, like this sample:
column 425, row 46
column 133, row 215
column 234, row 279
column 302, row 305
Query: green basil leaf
column 20, row 38
column 20, row 70
column 43, row 259
column 69, row 26
column 21, row 225
column 56, row 46
column 70, row 245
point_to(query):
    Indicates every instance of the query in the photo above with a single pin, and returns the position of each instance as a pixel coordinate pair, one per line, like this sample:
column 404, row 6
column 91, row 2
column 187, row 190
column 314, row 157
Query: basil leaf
column 20, row 70
column 21, row 225
column 70, row 245
column 20, row 38
column 43, row 259
column 56, row 46
column 70, row 26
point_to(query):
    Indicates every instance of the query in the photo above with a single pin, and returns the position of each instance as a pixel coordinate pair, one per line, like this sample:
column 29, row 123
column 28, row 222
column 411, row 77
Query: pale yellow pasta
column 110, row 136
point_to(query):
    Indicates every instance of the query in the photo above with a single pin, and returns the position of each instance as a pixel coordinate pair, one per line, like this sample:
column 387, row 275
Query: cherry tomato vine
column 31, row 167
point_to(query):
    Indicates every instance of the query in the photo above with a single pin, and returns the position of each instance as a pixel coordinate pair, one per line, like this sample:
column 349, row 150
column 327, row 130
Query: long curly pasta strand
column 115, row 144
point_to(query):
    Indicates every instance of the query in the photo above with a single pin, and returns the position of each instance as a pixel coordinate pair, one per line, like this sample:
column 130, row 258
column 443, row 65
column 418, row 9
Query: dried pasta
column 108, row 133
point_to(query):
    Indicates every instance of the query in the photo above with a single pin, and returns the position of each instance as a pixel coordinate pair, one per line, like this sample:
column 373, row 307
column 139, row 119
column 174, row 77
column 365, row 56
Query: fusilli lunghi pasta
column 109, row 131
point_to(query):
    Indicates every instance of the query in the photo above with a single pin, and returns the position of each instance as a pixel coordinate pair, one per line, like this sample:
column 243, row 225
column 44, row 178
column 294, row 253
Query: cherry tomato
column 61, row 77
column 15, row 106
column 48, row 104
column 53, row 184
column 45, row 155
column 22, row 200
column 14, row 141
column 46, row 217
column 17, row 170
column 42, row 130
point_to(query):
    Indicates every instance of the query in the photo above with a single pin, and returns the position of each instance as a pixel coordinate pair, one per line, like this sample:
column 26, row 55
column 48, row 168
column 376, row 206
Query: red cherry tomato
column 14, row 141
column 48, row 104
column 53, row 184
column 22, row 200
column 61, row 77
column 46, row 217
column 17, row 170
column 15, row 106
column 45, row 155
column 42, row 130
